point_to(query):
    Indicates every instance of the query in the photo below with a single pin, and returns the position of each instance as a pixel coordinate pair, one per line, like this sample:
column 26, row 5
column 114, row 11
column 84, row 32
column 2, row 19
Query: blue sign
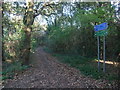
column 102, row 26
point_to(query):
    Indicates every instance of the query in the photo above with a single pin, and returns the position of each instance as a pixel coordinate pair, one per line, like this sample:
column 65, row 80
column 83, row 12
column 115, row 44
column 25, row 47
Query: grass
column 9, row 69
column 87, row 66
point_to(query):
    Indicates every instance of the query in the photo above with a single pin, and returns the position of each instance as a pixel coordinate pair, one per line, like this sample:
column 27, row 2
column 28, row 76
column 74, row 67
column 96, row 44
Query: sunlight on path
column 109, row 62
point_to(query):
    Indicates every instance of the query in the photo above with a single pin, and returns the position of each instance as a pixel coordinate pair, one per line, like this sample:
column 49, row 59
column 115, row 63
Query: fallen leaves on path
column 47, row 72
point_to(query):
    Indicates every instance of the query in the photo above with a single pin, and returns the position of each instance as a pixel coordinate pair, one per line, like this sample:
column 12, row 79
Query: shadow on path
column 47, row 72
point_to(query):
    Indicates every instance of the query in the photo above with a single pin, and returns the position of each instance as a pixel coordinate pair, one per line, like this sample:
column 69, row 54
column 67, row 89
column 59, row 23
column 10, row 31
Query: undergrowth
column 10, row 69
column 87, row 66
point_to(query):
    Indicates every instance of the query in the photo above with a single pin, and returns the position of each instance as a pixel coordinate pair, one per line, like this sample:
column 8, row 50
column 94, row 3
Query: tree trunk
column 0, row 41
column 28, row 22
column 26, row 46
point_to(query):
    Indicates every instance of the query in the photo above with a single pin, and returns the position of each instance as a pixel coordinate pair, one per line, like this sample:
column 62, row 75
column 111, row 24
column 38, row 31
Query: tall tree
column 29, row 16
column 0, row 36
column 28, row 22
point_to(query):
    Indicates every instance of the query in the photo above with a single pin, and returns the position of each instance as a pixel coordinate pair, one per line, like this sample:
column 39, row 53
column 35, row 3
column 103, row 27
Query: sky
column 42, row 19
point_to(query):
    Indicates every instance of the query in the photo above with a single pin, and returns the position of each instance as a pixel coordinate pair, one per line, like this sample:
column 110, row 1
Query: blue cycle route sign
column 100, row 30
column 102, row 26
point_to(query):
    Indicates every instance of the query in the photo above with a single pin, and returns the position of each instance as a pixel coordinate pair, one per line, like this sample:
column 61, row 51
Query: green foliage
column 12, row 44
column 87, row 66
column 72, row 33
column 75, row 34
column 14, row 67
column 13, row 39
column 62, row 39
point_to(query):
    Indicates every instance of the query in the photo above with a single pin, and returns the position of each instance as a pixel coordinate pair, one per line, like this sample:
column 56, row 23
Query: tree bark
column 0, row 30
column 0, row 41
column 28, row 22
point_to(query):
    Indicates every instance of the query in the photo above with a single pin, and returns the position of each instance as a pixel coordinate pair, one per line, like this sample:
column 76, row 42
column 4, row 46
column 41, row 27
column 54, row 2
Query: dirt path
column 47, row 72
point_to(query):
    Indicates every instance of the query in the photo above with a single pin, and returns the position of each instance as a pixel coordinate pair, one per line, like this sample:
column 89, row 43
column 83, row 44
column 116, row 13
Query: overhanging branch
column 45, row 5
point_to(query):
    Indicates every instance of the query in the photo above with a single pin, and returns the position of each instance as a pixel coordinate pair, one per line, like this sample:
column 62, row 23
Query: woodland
column 65, row 30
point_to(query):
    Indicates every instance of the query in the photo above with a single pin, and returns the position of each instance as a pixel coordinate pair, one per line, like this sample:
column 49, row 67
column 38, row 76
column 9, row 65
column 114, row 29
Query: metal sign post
column 98, row 54
column 100, row 30
column 104, row 53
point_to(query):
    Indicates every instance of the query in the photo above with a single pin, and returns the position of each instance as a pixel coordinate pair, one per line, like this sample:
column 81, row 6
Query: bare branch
column 44, row 6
